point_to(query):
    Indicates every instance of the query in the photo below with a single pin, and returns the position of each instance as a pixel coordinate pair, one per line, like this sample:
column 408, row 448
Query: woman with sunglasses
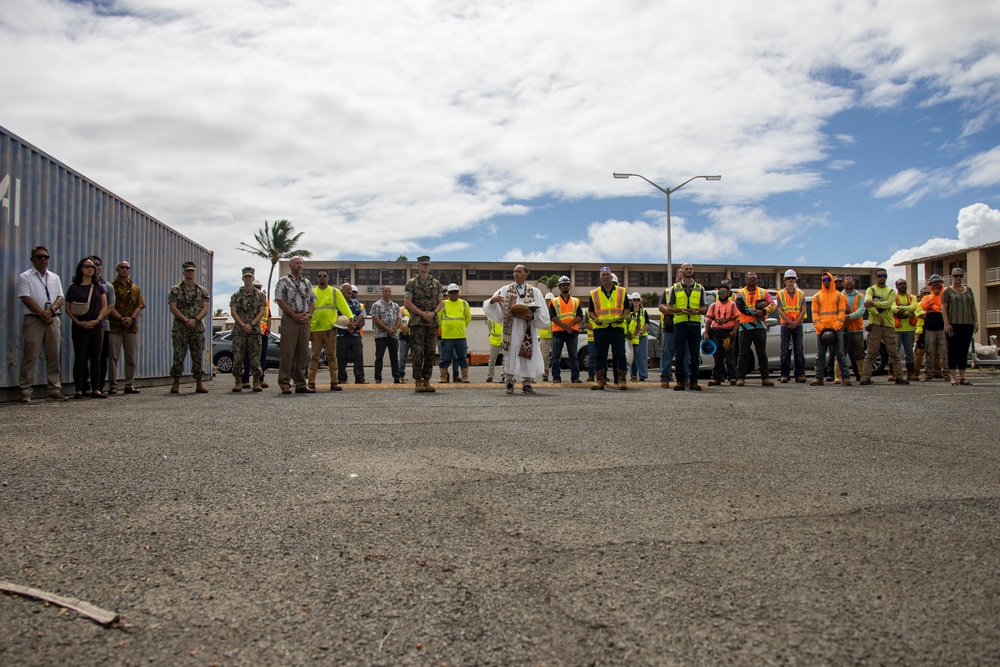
column 87, row 307
column 958, row 309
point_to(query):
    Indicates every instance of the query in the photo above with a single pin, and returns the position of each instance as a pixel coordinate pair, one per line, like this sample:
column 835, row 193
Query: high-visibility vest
column 750, row 298
column 634, row 325
column 454, row 317
column 546, row 333
column 853, row 303
column 327, row 307
column 791, row 307
column 909, row 300
column 265, row 323
column 608, row 308
column 565, row 313
column 829, row 308
column 681, row 301
column 496, row 333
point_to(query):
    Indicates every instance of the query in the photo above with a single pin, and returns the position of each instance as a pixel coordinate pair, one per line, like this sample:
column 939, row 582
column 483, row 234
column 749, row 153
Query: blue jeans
column 404, row 352
column 666, row 355
column 640, row 359
column 795, row 337
column 558, row 339
column 454, row 349
column 905, row 339
column 837, row 350
column 591, row 358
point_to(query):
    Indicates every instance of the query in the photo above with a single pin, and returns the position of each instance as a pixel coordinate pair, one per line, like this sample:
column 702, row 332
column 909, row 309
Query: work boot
column 419, row 389
column 263, row 382
column 238, row 386
column 902, row 380
column 175, row 388
column 465, row 376
column 767, row 382
column 599, row 385
column 635, row 378
column 444, row 376
column 199, row 388
column 622, row 384
column 817, row 382
column 892, row 376
column 911, row 375
column 427, row 386
column 256, row 385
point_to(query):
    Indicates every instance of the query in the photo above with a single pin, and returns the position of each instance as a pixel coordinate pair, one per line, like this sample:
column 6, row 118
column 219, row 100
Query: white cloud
column 977, row 224
column 913, row 185
column 216, row 116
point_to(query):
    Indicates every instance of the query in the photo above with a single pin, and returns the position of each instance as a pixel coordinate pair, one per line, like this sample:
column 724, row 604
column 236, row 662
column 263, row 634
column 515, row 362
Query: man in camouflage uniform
column 423, row 300
column 247, row 306
column 189, row 305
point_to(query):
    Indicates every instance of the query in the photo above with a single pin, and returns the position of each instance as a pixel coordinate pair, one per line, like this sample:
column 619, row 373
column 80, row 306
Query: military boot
column 199, row 388
column 419, row 389
column 465, row 376
column 256, row 385
column 601, row 375
column 238, row 386
column 175, row 388
column 444, row 376
column 427, row 386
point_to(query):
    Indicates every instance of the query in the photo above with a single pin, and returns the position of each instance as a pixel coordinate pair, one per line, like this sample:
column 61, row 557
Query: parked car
column 222, row 351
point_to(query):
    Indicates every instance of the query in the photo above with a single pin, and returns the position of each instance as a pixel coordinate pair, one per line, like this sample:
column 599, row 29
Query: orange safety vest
column 793, row 308
column 565, row 312
column 608, row 308
column 750, row 298
column 265, row 323
column 853, row 303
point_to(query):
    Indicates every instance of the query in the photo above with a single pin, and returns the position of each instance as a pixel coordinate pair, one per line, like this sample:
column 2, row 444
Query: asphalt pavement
column 791, row 525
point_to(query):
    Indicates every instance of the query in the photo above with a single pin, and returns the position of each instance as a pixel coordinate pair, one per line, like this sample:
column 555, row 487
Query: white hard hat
column 549, row 295
column 635, row 295
column 453, row 287
column 354, row 288
column 342, row 322
column 790, row 273
column 564, row 280
column 614, row 278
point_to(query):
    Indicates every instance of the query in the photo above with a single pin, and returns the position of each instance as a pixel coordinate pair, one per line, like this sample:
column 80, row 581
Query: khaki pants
column 323, row 340
column 294, row 344
column 545, row 345
column 39, row 337
column 130, row 343
column 878, row 335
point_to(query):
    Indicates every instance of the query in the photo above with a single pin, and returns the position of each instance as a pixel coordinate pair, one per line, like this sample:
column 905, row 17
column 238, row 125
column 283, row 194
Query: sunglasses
column 958, row 275
column 881, row 275
column 89, row 266
column 124, row 268
column 42, row 257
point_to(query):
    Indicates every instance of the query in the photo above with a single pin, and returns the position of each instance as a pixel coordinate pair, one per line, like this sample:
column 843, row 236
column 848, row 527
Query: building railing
column 992, row 317
column 993, row 275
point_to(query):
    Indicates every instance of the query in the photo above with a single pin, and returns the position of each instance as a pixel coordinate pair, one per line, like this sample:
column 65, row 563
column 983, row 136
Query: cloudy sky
column 845, row 132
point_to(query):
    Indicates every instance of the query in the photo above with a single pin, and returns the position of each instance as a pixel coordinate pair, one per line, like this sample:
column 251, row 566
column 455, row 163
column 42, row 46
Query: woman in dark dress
column 87, row 305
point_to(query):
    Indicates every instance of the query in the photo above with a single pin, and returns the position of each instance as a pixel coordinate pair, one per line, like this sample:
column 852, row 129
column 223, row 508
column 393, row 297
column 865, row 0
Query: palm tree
column 275, row 243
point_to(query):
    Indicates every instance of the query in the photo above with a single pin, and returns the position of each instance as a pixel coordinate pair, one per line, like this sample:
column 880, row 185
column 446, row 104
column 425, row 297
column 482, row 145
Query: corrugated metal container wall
column 44, row 202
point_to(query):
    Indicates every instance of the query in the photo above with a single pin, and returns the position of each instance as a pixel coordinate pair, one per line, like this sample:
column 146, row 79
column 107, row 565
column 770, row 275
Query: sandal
column 954, row 383
column 965, row 382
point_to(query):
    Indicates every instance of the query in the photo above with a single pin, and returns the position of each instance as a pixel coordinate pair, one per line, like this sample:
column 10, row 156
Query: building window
column 765, row 280
column 337, row 276
column 588, row 278
column 381, row 277
column 647, row 278
column 490, row 275
column 709, row 279
column 810, row 280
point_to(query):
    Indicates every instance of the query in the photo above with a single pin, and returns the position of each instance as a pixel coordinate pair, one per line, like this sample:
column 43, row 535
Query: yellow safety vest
column 327, row 308
column 681, row 301
column 791, row 307
column 608, row 308
column 496, row 333
column 454, row 317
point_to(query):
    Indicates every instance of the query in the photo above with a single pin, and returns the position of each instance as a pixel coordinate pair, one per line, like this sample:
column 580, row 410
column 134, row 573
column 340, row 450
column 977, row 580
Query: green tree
column 218, row 312
column 275, row 243
column 650, row 299
column 402, row 258
column 549, row 281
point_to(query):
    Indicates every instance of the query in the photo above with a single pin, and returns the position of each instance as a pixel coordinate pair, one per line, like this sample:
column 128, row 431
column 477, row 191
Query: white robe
column 514, row 364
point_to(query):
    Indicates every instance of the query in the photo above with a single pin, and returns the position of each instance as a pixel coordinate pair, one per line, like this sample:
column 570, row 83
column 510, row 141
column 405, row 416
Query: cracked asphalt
column 790, row 525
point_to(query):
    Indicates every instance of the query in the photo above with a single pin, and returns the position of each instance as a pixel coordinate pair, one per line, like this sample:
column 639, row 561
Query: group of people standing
column 104, row 323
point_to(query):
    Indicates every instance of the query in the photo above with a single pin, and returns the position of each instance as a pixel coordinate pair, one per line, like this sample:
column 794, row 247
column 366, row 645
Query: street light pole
column 668, row 192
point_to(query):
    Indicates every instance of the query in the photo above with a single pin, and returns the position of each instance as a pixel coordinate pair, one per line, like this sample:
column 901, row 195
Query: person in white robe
column 514, row 329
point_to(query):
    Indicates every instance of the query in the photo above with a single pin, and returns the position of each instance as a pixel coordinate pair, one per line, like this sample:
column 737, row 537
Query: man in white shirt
column 40, row 291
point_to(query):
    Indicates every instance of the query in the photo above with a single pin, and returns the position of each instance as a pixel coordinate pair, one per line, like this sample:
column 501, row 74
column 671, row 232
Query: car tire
column 583, row 358
column 881, row 364
column 224, row 362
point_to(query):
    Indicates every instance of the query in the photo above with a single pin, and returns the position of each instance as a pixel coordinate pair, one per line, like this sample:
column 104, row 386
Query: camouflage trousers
column 185, row 340
column 243, row 343
column 423, row 344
